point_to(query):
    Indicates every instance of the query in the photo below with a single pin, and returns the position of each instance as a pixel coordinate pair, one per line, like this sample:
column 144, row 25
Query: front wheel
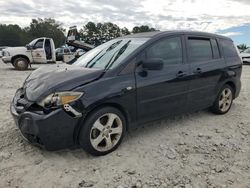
column 224, row 100
column 102, row 132
column 21, row 63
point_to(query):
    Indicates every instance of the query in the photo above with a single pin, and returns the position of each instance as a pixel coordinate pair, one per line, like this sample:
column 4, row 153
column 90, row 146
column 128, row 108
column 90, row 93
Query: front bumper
column 6, row 59
column 53, row 131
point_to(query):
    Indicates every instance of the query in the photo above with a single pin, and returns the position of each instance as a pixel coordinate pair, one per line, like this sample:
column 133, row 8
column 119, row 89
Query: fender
column 20, row 55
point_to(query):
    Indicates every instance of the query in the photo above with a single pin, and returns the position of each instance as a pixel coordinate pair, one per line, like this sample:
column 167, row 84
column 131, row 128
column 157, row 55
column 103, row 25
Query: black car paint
column 151, row 94
column 45, row 81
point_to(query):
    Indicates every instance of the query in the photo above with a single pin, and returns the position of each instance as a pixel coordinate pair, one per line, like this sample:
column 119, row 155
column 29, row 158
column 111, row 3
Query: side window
column 169, row 50
column 229, row 48
column 39, row 43
column 216, row 52
column 199, row 49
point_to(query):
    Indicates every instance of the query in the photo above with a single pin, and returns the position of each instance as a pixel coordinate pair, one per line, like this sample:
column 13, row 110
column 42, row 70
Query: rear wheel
column 102, row 131
column 224, row 100
column 21, row 63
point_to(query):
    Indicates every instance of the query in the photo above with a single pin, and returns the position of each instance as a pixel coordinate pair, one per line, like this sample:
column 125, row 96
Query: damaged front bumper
column 6, row 59
column 54, row 130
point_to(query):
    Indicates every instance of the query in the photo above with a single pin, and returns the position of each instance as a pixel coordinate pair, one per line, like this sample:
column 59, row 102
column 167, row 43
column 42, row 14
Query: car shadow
column 154, row 127
column 134, row 136
column 13, row 69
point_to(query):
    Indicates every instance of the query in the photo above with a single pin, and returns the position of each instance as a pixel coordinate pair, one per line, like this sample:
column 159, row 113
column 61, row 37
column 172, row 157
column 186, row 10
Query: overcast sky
column 204, row 15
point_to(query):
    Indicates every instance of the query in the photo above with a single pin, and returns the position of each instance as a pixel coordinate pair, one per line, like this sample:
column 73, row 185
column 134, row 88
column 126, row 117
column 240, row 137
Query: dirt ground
column 194, row 150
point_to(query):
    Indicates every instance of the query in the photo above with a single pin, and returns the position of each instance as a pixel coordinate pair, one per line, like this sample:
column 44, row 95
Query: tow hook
column 69, row 108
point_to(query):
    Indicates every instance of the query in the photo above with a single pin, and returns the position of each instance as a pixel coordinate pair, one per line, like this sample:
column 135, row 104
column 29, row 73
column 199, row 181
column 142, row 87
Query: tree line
column 93, row 33
column 242, row 47
column 14, row 35
column 99, row 33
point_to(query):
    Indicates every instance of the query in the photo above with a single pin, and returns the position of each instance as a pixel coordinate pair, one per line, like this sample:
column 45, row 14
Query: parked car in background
column 40, row 50
column 245, row 55
column 124, row 83
column 64, row 50
column 1, row 50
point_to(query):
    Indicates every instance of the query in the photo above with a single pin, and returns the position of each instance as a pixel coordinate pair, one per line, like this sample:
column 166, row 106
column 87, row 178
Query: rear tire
column 21, row 63
column 102, row 132
column 224, row 100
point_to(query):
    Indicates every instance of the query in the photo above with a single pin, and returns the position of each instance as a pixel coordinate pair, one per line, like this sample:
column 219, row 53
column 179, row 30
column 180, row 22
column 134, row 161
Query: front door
column 38, row 52
column 161, row 93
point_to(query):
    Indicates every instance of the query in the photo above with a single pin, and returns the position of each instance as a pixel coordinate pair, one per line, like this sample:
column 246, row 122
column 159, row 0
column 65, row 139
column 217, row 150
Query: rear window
column 199, row 49
column 229, row 48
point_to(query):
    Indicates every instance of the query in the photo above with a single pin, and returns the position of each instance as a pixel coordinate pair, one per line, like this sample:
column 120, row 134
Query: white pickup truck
column 40, row 50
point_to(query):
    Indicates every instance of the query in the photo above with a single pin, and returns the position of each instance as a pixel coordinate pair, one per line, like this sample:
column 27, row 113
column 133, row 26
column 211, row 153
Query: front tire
column 103, row 131
column 224, row 100
column 21, row 63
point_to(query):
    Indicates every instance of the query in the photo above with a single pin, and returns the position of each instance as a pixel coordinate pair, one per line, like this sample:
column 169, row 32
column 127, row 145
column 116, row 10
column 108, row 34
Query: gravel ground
column 193, row 150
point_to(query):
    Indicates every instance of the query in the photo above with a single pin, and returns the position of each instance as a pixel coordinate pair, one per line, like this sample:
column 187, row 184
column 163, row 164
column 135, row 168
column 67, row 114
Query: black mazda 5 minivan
column 124, row 83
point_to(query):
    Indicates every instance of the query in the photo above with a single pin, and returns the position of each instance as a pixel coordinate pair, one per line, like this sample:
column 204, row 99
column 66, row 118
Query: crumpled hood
column 46, row 80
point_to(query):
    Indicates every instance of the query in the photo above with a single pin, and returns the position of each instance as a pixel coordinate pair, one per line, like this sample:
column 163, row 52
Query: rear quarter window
column 229, row 48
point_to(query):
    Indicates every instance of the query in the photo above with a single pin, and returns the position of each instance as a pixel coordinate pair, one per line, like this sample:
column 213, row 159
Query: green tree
column 242, row 46
column 47, row 27
column 125, row 31
column 13, row 35
column 142, row 28
column 101, row 32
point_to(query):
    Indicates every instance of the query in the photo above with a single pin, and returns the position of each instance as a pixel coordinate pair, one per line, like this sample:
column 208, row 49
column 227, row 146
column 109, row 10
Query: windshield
column 32, row 43
column 247, row 50
column 110, row 54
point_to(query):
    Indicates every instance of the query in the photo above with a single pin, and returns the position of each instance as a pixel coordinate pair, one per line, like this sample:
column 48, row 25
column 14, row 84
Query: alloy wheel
column 225, row 100
column 106, row 132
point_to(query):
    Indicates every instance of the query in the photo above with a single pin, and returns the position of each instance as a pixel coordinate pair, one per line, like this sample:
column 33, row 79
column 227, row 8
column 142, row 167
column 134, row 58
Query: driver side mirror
column 153, row 64
column 28, row 47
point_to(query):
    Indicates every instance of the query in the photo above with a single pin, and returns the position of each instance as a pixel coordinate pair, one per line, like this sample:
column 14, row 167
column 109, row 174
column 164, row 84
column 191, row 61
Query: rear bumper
column 6, row 59
column 51, row 131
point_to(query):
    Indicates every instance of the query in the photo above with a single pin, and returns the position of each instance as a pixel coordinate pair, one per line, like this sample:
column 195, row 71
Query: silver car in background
column 245, row 55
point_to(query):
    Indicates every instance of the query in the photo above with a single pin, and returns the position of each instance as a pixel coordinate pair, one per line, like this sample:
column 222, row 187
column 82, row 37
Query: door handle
column 180, row 74
column 197, row 71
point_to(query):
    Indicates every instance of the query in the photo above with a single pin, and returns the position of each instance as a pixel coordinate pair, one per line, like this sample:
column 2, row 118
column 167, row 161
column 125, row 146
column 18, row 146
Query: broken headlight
column 60, row 98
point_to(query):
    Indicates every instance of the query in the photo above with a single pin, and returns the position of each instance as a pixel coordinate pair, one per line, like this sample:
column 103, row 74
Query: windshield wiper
column 111, row 47
column 92, row 59
column 120, row 52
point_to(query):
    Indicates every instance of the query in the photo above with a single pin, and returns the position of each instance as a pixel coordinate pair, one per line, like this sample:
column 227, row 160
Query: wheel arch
column 19, row 55
column 97, row 107
column 231, row 84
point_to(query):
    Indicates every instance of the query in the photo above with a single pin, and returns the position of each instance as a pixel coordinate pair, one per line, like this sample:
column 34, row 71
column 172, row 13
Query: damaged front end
column 49, row 127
